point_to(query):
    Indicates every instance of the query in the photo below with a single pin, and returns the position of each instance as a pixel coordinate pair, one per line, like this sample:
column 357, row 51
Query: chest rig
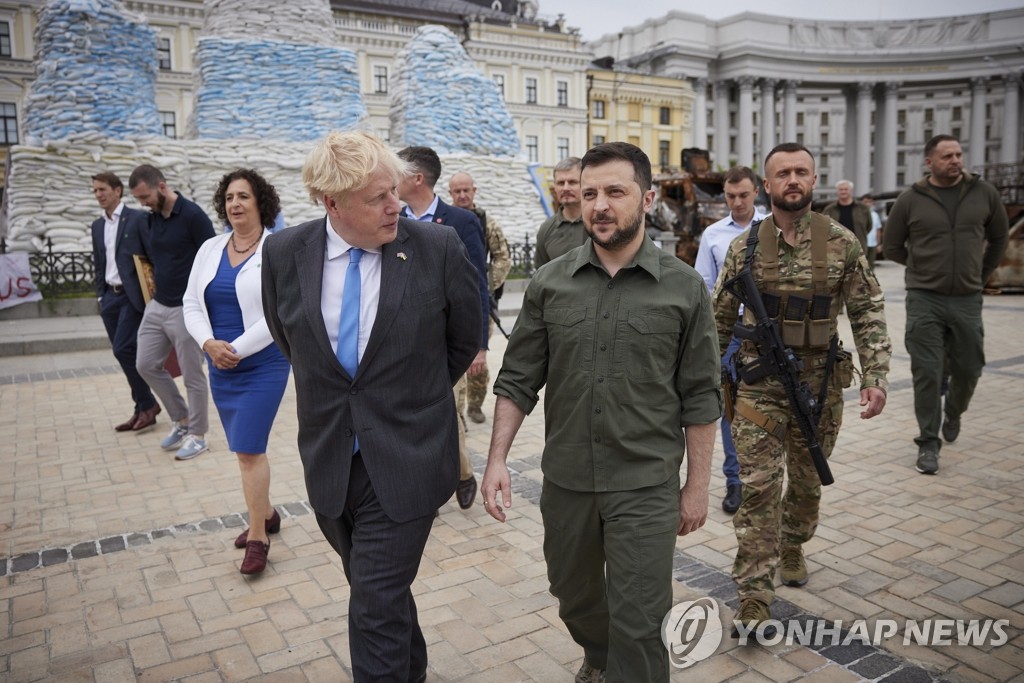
column 805, row 317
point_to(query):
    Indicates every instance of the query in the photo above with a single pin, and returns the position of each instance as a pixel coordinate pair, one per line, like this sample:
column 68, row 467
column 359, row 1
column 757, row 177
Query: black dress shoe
column 950, row 428
column 733, row 498
column 465, row 492
column 146, row 418
column 126, row 426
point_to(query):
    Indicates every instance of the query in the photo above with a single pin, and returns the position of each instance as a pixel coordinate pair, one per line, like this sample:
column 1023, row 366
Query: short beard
column 794, row 206
column 622, row 236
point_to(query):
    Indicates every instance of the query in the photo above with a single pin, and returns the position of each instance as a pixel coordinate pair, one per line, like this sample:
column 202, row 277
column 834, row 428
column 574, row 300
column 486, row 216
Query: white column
column 721, row 124
column 886, row 146
column 862, row 178
column 976, row 143
column 850, row 133
column 789, row 112
column 745, row 122
column 1009, row 153
column 700, row 113
column 767, row 118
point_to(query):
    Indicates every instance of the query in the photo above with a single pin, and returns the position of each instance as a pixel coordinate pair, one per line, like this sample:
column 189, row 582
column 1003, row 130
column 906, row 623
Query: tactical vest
column 806, row 318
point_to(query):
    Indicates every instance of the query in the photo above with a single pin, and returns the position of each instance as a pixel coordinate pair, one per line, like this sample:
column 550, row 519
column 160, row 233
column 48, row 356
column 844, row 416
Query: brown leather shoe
column 465, row 492
column 146, row 418
column 255, row 560
column 126, row 426
column 273, row 526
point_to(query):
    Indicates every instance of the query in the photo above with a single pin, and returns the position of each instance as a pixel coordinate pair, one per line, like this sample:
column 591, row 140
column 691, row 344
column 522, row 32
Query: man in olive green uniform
column 950, row 229
column 463, row 193
column 770, row 527
column 622, row 335
column 564, row 231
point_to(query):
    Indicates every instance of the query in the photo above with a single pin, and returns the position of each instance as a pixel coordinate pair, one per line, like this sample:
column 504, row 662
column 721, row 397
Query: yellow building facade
column 655, row 113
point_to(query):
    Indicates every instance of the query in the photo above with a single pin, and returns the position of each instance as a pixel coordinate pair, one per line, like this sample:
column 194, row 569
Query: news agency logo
column 691, row 632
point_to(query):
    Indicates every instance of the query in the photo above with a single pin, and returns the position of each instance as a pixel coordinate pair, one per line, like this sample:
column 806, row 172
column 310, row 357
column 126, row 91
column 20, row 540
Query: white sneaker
column 192, row 446
column 175, row 437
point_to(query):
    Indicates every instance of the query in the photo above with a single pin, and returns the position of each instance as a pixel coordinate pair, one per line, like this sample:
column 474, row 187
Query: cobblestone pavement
column 117, row 564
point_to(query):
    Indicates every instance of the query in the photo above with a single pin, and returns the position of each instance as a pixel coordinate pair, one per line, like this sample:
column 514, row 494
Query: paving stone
column 1008, row 594
column 54, row 556
column 23, row 563
column 83, row 550
column 112, row 544
column 908, row 674
column 875, row 666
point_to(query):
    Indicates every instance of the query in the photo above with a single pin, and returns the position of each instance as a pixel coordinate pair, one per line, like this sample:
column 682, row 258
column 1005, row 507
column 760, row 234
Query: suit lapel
column 121, row 223
column 394, row 273
column 309, row 264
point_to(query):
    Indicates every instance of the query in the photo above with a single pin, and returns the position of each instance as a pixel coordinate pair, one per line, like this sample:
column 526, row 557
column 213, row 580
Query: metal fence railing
column 60, row 273
column 70, row 273
column 522, row 258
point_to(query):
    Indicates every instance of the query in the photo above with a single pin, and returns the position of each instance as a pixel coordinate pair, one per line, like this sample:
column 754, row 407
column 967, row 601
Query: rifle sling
column 833, row 352
column 776, row 429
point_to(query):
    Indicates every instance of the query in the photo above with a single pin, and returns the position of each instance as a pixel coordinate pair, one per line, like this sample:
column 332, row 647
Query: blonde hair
column 343, row 162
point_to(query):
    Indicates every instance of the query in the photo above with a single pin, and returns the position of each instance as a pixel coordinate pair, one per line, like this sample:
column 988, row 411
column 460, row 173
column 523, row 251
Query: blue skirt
column 248, row 396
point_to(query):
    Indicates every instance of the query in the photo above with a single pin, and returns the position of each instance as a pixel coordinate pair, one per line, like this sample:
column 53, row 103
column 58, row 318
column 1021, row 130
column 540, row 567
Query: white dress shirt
column 111, row 224
column 335, row 267
column 714, row 245
column 427, row 215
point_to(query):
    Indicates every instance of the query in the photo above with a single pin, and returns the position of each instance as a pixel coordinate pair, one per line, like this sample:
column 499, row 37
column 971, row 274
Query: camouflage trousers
column 465, row 466
column 768, row 518
column 476, row 385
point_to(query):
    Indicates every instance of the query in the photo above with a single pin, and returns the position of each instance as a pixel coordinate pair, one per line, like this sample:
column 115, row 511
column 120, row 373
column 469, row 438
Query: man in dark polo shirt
column 177, row 227
column 622, row 334
column 564, row 231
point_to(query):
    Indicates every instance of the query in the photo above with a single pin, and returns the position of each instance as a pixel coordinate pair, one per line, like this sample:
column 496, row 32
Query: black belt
column 116, row 289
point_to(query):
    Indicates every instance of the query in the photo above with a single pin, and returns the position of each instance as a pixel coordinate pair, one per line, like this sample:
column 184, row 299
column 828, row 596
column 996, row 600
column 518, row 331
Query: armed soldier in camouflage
column 804, row 279
column 499, row 261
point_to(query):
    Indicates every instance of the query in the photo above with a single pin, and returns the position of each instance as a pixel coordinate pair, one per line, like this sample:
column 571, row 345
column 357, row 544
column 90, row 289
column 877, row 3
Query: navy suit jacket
column 467, row 225
column 400, row 402
column 131, row 233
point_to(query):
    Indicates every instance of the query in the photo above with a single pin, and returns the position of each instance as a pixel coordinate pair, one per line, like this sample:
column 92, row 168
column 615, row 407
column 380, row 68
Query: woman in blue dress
column 223, row 308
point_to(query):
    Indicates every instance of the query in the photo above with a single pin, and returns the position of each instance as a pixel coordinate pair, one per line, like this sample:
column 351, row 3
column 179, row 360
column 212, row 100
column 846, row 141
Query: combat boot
column 792, row 568
column 752, row 614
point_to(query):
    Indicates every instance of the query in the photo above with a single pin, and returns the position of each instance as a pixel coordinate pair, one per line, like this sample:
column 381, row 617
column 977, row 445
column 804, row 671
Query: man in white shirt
column 740, row 192
column 876, row 225
column 379, row 317
column 116, row 236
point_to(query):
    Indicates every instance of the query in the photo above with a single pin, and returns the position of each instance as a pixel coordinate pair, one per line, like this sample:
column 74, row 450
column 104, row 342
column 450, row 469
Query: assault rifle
column 495, row 317
column 779, row 360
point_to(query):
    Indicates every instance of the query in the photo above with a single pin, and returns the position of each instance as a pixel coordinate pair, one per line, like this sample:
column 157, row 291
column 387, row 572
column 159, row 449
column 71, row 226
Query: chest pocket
column 652, row 346
column 566, row 332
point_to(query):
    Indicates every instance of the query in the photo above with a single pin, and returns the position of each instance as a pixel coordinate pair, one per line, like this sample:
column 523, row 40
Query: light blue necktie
column 348, row 328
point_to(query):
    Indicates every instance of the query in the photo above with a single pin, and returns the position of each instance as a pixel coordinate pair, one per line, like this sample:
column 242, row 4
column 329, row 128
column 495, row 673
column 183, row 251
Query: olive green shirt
column 628, row 362
column 557, row 236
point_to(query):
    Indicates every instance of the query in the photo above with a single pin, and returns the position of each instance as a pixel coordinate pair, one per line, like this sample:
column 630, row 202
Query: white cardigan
column 248, row 290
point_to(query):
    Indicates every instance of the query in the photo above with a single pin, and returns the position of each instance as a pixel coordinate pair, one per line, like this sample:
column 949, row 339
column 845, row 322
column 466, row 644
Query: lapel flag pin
column 401, row 255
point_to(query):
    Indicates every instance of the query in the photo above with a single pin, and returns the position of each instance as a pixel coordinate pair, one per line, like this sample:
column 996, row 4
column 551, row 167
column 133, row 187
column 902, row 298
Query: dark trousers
column 381, row 558
column 943, row 332
column 122, row 323
column 609, row 559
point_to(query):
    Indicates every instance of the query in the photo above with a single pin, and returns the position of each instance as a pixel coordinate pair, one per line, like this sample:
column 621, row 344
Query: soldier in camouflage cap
column 770, row 527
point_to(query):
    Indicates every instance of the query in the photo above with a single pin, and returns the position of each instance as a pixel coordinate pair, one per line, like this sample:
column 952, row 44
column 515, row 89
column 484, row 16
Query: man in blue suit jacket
column 116, row 236
column 422, row 204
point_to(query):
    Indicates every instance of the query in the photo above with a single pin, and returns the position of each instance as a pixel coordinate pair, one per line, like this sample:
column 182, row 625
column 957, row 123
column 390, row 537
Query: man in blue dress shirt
column 740, row 192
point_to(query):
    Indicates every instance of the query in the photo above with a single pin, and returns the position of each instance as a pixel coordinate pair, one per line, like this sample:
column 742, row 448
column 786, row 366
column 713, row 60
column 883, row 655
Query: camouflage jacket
column 850, row 281
column 500, row 258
